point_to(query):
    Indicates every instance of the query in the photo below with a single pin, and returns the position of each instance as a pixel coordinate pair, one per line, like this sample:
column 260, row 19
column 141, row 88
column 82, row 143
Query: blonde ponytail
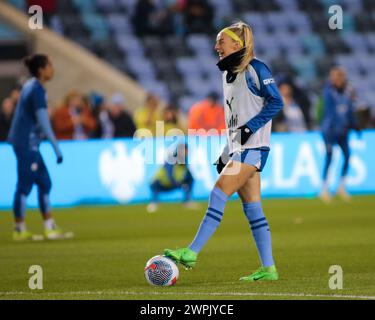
column 244, row 32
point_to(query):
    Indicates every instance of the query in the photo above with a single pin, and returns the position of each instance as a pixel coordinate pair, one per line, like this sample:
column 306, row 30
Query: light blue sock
column 211, row 220
column 261, row 232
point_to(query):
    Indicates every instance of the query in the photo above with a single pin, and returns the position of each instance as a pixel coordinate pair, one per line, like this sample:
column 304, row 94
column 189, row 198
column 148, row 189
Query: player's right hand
column 59, row 159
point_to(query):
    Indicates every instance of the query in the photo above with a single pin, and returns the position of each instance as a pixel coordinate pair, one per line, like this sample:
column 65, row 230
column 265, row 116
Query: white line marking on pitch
column 133, row 293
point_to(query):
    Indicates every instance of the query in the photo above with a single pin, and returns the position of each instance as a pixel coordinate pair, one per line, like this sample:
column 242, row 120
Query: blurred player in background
column 338, row 118
column 30, row 124
column 251, row 101
column 173, row 175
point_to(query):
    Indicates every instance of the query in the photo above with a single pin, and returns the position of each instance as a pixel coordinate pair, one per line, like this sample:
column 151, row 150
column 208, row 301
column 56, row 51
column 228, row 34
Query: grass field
column 106, row 258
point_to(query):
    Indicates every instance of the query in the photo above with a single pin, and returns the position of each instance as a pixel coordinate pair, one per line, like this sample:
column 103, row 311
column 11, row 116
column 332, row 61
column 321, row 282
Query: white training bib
column 241, row 105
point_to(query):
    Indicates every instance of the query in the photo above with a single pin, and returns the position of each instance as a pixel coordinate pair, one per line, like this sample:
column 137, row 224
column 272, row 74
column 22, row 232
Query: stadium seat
column 158, row 88
column 85, row 6
column 198, row 86
column 222, row 8
column 200, row 43
column 19, row 4
column 97, row 25
column 119, row 23
column 278, row 21
column 305, row 68
column 207, row 63
column 127, row 5
column 141, row 66
column 130, row 45
column 300, row 23
column 188, row 66
column 287, row 5
column 256, row 21
column 288, row 35
column 185, row 102
column 8, row 33
column 289, row 43
column 350, row 63
column 313, row 45
column 106, row 5
column 370, row 38
column 355, row 41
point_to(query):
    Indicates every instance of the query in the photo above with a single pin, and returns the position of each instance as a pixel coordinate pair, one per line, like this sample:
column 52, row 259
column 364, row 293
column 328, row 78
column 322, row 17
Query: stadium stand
column 179, row 66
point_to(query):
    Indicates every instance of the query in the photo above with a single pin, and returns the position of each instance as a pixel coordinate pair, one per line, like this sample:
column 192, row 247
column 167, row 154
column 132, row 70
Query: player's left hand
column 243, row 134
column 219, row 165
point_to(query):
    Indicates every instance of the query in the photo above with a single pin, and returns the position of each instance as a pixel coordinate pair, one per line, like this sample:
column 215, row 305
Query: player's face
column 286, row 90
column 48, row 71
column 338, row 78
column 225, row 45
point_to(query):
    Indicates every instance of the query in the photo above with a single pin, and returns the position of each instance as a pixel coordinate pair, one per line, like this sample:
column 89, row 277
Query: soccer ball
column 161, row 271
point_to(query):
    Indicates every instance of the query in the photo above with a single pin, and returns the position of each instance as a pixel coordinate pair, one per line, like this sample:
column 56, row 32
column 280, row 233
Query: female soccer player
column 251, row 100
column 338, row 119
column 30, row 124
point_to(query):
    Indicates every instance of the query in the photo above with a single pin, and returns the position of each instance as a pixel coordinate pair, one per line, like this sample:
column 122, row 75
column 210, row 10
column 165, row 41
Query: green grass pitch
column 106, row 258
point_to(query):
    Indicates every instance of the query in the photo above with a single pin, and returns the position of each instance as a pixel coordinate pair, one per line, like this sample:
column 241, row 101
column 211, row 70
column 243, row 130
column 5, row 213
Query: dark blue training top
column 338, row 115
column 30, row 123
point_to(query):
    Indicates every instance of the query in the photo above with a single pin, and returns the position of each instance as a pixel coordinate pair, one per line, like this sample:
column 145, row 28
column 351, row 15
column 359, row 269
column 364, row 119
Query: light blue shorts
column 254, row 157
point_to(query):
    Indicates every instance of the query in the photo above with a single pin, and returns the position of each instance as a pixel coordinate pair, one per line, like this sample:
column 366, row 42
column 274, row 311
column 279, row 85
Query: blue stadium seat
column 313, row 45
column 187, row 66
column 207, row 63
column 366, row 61
column 256, row 21
column 158, row 88
column 350, row 63
column 85, row 6
column 186, row 102
column 279, row 21
column 305, row 67
column 328, row 3
column 267, row 44
column 287, row 5
column 106, row 5
column 289, row 43
column 97, row 25
column 19, row 4
column 222, row 8
column 129, row 45
column 120, row 23
column 141, row 67
column 216, row 83
column 8, row 33
column 200, row 43
column 128, row 5
column 370, row 38
column 355, row 41
column 300, row 22
column 198, row 86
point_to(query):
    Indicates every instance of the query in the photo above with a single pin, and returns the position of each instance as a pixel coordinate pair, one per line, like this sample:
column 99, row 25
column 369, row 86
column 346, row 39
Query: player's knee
column 220, row 185
column 45, row 187
column 24, row 188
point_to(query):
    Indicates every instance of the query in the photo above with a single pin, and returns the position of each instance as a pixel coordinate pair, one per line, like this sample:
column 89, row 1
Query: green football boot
column 57, row 234
column 185, row 256
column 22, row 235
column 263, row 274
column 25, row 235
